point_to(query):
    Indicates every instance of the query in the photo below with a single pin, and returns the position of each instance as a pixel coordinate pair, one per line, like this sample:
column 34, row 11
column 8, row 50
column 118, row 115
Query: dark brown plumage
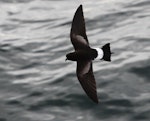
column 84, row 66
column 84, row 55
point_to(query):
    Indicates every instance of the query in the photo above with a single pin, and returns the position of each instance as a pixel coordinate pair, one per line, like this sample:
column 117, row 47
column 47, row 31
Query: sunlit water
column 36, row 84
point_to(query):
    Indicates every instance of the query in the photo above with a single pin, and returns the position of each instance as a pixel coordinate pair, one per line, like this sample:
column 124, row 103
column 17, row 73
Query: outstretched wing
column 84, row 68
column 86, row 78
column 78, row 32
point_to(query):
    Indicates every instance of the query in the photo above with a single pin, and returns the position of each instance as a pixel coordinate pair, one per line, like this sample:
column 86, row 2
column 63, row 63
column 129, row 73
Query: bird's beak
column 112, row 53
column 66, row 59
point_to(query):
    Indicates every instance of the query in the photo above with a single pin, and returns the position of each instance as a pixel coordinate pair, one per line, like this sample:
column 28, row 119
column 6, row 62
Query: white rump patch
column 100, row 53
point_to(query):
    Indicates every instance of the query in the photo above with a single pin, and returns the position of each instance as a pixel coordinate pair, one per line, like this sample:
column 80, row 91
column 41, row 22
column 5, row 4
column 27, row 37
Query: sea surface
column 36, row 84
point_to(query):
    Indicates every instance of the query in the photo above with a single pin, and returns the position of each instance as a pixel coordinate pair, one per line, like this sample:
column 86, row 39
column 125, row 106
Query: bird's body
column 84, row 55
column 81, row 55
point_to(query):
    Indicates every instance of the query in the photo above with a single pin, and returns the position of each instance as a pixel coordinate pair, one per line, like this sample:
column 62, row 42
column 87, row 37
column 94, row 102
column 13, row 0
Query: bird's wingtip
column 96, row 101
column 80, row 6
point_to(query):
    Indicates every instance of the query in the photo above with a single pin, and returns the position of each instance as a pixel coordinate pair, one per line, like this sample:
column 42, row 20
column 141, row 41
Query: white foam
column 100, row 53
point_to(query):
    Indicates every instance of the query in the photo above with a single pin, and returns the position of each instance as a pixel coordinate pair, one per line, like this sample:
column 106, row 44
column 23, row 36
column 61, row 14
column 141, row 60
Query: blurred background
column 36, row 84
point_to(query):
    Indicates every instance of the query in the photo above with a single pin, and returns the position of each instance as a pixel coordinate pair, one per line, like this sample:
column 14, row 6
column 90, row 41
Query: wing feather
column 80, row 42
column 86, row 79
column 78, row 31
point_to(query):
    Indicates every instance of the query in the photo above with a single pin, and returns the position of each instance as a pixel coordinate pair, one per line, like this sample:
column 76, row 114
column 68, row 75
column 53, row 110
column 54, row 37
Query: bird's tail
column 107, row 52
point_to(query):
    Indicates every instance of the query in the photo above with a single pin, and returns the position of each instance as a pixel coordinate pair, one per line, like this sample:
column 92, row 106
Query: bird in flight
column 84, row 54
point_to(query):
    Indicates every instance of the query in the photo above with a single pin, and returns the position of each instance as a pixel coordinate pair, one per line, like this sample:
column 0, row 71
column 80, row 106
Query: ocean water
column 36, row 84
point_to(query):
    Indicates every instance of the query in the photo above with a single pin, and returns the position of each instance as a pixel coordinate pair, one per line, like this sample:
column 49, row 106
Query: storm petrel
column 84, row 55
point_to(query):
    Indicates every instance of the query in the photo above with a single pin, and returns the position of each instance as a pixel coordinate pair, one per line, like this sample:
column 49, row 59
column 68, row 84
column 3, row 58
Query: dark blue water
column 36, row 84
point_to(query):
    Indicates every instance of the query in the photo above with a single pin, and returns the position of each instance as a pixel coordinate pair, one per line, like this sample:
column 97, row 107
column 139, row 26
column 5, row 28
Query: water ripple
column 36, row 84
